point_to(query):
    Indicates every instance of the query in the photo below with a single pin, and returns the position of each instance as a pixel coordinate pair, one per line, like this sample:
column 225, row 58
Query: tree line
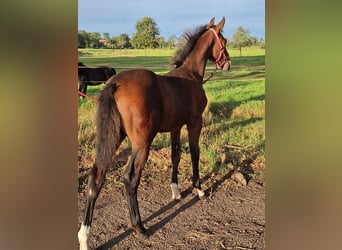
column 147, row 35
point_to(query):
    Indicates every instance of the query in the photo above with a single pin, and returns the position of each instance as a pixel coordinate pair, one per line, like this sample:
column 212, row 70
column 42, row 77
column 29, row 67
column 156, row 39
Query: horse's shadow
column 157, row 226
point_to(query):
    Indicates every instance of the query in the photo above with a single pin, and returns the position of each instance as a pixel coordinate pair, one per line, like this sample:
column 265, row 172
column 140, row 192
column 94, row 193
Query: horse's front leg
column 131, row 180
column 194, row 130
column 175, row 158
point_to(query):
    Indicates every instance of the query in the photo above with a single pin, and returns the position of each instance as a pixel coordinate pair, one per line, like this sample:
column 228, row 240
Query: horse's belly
column 168, row 124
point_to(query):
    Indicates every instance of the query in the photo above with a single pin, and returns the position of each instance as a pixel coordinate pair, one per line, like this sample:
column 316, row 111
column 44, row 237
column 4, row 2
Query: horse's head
column 219, row 52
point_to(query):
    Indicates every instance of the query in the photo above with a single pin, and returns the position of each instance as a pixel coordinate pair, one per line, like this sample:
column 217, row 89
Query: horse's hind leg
column 96, row 179
column 194, row 130
column 175, row 158
column 131, row 180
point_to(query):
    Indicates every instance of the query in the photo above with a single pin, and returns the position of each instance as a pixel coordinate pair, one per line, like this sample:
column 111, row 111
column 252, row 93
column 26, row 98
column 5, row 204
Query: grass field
column 234, row 120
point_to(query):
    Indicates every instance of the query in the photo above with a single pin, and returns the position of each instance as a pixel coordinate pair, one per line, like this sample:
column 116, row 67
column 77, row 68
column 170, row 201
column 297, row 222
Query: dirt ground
column 231, row 217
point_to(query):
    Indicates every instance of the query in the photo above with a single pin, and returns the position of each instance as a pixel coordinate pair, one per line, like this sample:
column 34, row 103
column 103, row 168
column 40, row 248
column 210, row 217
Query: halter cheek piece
column 222, row 54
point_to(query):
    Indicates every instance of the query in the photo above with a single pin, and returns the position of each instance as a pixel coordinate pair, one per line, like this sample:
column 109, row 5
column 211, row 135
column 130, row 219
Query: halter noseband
column 219, row 65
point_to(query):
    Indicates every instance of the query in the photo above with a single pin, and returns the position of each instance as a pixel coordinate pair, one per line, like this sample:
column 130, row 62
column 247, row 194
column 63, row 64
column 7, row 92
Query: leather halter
column 222, row 54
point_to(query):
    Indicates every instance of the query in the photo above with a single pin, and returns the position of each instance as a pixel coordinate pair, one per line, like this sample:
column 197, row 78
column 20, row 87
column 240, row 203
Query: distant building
column 103, row 41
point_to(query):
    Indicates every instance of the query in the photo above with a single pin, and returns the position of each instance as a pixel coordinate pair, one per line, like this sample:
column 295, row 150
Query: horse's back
column 134, row 78
column 167, row 101
column 139, row 84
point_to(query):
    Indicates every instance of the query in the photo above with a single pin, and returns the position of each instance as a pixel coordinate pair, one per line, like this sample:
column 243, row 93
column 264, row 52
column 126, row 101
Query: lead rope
column 211, row 76
column 88, row 97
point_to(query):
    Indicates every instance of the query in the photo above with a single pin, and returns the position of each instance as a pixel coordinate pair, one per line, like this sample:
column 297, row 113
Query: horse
column 93, row 76
column 139, row 103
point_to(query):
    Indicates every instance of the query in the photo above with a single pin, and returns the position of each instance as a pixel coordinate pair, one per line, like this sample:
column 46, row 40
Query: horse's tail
column 108, row 124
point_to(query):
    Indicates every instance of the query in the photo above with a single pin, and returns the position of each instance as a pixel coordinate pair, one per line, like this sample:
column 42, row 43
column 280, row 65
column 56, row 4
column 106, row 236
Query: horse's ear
column 220, row 25
column 211, row 23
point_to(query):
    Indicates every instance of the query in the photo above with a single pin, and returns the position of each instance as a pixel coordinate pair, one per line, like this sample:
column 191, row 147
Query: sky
column 173, row 17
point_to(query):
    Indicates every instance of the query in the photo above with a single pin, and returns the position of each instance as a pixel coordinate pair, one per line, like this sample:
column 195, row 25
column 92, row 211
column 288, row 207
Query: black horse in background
column 93, row 76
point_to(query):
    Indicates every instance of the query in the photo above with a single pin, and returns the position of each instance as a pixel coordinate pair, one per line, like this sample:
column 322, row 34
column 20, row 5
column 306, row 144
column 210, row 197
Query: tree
column 172, row 41
column 146, row 34
column 83, row 39
column 122, row 41
column 241, row 38
column 161, row 42
column 94, row 38
column 261, row 43
column 113, row 42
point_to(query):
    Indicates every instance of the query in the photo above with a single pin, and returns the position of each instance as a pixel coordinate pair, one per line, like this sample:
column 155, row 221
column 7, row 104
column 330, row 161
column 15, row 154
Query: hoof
column 202, row 198
column 176, row 198
column 201, row 194
column 140, row 232
column 140, row 229
column 175, row 192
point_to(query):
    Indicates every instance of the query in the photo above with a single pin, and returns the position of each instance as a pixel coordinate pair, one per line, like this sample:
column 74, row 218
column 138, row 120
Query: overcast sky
column 173, row 17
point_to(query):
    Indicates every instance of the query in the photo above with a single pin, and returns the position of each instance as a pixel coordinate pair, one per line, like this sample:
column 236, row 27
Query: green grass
column 234, row 120
column 235, row 115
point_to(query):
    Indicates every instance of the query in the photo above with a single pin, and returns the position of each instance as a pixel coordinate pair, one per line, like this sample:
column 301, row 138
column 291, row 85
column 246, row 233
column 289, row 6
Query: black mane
column 183, row 50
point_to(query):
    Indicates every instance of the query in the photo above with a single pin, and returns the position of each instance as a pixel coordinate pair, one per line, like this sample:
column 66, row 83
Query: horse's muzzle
column 227, row 65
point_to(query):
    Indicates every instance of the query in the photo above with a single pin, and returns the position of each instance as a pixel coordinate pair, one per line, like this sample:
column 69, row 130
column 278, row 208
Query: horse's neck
column 197, row 59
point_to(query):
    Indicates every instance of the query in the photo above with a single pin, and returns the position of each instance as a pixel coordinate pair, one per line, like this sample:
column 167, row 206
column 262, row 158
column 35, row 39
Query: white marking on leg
column 90, row 192
column 175, row 191
column 83, row 237
column 200, row 193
